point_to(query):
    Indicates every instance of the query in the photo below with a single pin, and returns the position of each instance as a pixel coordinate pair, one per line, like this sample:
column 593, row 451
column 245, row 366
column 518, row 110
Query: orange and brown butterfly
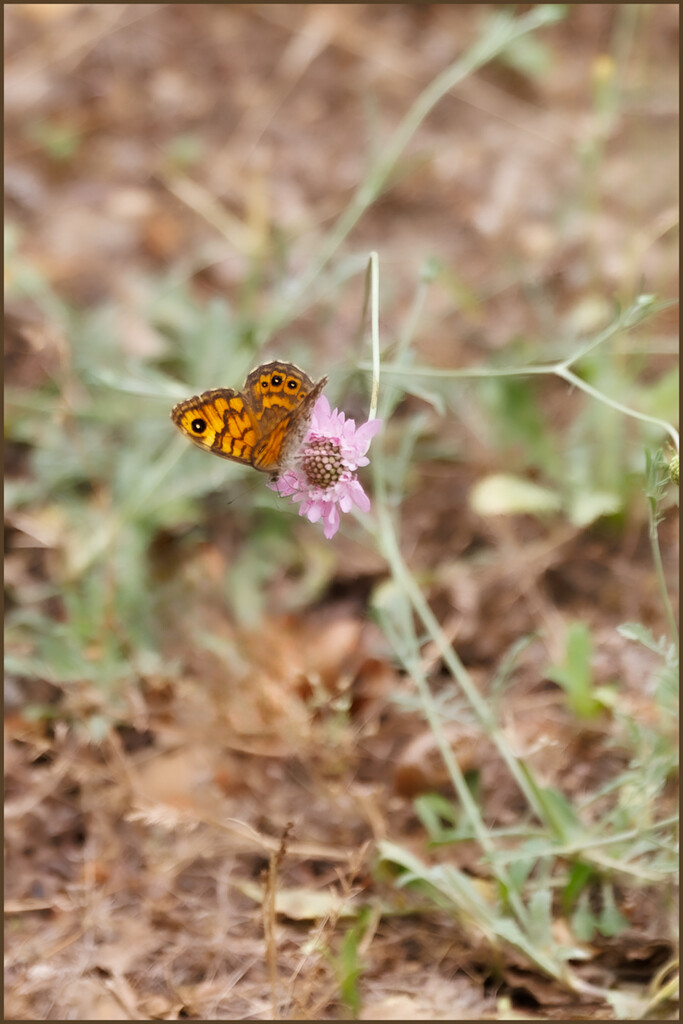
column 262, row 425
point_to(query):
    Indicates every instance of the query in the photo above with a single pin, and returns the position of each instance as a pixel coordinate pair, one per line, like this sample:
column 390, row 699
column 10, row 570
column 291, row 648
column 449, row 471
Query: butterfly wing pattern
column 262, row 426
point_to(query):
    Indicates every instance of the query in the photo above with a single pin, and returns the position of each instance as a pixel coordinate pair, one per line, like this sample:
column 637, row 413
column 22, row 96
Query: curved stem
column 571, row 378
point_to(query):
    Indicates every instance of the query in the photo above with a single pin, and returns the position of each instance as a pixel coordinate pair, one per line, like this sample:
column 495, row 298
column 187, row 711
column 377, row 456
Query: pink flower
column 324, row 477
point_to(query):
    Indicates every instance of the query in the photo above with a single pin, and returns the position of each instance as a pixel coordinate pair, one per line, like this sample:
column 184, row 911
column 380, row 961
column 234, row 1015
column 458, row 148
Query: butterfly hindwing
column 218, row 421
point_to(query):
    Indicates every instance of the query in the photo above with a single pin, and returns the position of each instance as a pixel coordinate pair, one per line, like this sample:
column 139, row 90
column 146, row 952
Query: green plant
column 575, row 676
column 348, row 963
column 562, row 842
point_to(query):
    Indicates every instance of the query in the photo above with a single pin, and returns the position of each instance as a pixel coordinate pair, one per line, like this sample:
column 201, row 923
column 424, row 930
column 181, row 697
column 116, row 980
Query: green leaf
column 611, row 921
column 560, row 813
column 520, row 869
column 528, row 55
column 641, row 634
column 579, row 876
column 575, row 675
column 503, row 494
column 587, row 506
column 583, row 921
column 433, row 810
column 349, row 965
column 540, row 918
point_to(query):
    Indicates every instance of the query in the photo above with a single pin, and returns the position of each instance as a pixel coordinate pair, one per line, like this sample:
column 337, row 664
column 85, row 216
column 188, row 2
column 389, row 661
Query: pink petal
column 367, row 431
column 314, row 510
column 346, row 502
column 322, row 407
column 359, row 496
column 331, row 522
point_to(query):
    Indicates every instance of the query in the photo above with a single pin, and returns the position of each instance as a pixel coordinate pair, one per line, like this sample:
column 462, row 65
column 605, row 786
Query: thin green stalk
column 397, row 370
column 571, row 378
column 571, row 849
column 373, row 280
column 405, row 580
column 659, row 572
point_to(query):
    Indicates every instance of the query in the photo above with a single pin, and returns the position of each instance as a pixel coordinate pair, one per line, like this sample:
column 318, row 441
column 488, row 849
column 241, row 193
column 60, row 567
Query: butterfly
column 262, row 425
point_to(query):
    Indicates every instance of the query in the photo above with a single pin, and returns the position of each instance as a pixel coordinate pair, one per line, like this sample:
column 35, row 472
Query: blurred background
column 191, row 190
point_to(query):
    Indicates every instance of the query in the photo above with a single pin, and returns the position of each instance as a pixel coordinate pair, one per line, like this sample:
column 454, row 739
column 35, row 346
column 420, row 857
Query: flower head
column 324, row 476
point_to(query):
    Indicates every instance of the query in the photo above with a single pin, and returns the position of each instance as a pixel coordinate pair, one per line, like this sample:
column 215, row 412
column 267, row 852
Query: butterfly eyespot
column 276, row 380
column 292, row 385
column 198, row 426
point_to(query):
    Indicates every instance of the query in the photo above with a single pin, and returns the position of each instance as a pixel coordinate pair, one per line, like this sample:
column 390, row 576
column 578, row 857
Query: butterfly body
column 261, row 426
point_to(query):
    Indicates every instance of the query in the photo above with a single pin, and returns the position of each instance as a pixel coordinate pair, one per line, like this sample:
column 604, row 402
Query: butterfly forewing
column 219, row 422
column 275, row 390
column 276, row 450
